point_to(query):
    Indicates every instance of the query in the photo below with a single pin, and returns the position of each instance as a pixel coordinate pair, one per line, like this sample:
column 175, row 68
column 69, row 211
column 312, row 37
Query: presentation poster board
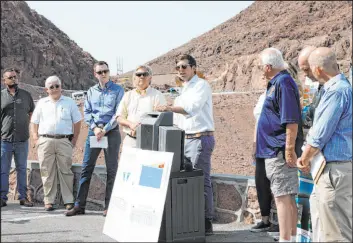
column 138, row 198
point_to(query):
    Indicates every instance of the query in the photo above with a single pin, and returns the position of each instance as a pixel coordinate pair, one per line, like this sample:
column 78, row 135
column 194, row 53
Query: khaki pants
column 331, row 204
column 55, row 159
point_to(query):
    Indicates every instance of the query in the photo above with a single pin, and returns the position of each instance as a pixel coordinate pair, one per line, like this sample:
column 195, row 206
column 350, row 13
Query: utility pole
column 119, row 66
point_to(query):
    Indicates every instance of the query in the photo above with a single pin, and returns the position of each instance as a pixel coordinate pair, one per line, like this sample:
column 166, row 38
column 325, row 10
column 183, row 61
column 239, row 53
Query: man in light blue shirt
column 331, row 134
column 99, row 113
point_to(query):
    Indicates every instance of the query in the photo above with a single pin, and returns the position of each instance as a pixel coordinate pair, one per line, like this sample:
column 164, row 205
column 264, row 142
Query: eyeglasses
column 145, row 74
column 56, row 86
column 184, row 66
column 12, row 77
column 103, row 71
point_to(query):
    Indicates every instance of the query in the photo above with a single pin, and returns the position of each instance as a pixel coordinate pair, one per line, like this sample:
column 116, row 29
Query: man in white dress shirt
column 137, row 102
column 55, row 125
column 195, row 104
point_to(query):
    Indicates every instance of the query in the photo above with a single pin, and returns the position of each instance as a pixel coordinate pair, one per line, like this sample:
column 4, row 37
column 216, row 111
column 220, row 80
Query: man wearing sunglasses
column 16, row 109
column 195, row 104
column 101, row 103
column 55, row 126
column 136, row 102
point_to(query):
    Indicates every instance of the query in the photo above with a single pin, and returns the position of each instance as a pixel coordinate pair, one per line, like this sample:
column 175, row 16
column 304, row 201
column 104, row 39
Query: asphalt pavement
column 22, row 224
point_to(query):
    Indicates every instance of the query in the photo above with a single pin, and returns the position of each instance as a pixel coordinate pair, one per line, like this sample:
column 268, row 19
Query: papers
column 138, row 197
column 318, row 164
column 102, row 143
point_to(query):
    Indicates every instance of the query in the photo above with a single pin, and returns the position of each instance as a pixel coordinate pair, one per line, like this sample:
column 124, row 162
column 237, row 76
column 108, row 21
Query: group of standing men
column 279, row 141
column 56, row 122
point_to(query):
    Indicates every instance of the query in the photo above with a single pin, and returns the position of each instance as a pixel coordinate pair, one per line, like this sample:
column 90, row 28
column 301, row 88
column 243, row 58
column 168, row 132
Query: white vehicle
column 79, row 95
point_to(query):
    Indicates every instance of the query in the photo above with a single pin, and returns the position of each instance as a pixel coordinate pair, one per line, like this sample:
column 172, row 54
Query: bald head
column 323, row 63
column 304, row 55
column 324, row 58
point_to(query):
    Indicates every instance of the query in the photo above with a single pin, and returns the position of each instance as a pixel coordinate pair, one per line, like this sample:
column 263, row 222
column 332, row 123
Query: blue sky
column 136, row 31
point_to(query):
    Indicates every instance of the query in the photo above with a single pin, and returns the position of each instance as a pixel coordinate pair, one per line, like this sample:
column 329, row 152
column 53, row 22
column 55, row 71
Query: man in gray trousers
column 196, row 119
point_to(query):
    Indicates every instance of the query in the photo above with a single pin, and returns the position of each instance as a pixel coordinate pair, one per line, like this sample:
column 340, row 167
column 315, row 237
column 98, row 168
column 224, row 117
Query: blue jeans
column 111, row 155
column 198, row 151
column 20, row 152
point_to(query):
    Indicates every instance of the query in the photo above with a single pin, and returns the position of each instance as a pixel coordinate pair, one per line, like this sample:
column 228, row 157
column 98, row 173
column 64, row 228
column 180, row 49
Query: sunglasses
column 145, row 74
column 56, row 86
column 184, row 66
column 103, row 71
column 12, row 77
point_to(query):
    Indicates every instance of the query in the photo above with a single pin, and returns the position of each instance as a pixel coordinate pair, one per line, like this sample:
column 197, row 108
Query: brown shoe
column 26, row 203
column 105, row 213
column 69, row 206
column 75, row 211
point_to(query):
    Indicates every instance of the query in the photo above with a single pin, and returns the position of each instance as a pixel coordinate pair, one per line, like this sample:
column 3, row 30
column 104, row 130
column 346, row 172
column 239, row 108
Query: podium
column 184, row 212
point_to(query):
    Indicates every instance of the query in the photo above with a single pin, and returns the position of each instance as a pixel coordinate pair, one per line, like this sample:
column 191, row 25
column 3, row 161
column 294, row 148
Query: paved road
column 21, row 224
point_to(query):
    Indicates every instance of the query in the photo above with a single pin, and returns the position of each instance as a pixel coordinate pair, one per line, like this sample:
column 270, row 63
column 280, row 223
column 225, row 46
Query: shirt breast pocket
column 66, row 114
column 110, row 101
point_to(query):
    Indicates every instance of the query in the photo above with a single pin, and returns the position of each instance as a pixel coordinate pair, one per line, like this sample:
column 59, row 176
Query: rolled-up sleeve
column 327, row 116
column 196, row 99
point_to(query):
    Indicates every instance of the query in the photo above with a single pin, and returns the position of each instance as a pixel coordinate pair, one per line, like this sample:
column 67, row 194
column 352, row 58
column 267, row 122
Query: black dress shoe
column 208, row 227
column 75, row 211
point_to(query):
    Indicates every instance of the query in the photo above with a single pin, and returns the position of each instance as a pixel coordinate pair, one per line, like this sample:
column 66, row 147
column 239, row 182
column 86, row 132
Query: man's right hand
column 98, row 132
column 253, row 152
column 35, row 140
column 134, row 125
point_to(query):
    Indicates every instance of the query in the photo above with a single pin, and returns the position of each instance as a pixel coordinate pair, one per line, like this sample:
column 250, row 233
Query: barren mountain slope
column 39, row 49
column 287, row 25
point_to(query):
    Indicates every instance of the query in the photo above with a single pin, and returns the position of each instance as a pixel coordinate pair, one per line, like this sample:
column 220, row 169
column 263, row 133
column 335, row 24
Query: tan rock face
column 288, row 26
column 39, row 49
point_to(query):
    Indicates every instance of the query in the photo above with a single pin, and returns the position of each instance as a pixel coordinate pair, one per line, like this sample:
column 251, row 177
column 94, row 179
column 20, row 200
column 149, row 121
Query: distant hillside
column 287, row 25
column 39, row 49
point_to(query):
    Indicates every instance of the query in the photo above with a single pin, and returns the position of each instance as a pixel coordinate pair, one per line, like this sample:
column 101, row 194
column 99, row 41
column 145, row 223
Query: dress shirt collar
column 106, row 86
column 143, row 92
column 192, row 80
column 46, row 99
column 333, row 80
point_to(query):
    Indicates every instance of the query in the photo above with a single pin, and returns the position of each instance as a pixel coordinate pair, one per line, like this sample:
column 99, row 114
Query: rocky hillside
column 39, row 49
column 287, row 25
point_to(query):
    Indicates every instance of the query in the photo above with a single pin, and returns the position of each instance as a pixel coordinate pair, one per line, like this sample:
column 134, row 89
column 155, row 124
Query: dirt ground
column 234, row 124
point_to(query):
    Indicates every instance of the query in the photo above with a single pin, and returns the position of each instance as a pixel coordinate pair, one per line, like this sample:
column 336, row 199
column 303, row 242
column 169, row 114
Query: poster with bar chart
column 137, row 203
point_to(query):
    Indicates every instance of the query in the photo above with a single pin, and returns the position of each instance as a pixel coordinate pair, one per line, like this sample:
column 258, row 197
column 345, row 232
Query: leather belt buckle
column 199, row 134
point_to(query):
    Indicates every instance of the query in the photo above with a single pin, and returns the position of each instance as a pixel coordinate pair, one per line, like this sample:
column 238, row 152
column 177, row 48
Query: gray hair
column 52, row 79
column 146, row 67
column 273, row 57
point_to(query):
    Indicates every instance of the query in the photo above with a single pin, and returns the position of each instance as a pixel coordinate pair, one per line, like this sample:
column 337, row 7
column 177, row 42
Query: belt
column 130, row 136
column 199, row 134
column 55, row 136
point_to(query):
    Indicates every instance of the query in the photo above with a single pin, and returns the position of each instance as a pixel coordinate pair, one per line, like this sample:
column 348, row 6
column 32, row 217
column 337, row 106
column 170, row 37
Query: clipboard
column 317, row 165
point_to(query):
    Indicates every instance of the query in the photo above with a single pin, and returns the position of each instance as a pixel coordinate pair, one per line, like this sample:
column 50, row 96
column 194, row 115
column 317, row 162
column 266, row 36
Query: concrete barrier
column 235, row 198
